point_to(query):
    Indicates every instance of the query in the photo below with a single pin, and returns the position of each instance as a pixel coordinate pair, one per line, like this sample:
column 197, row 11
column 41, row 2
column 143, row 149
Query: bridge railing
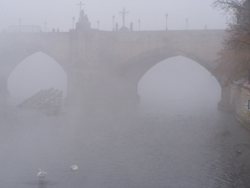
column 24, row 29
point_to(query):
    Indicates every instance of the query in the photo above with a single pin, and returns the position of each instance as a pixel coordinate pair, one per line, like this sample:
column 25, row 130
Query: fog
column 175, row 125
column 177, row 81
column 35, row 73
column 174, row 136
column 180, row 83
column 59, row 14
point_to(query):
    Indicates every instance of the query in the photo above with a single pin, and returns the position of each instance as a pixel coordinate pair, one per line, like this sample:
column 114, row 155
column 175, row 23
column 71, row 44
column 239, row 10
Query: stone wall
column 239, row 97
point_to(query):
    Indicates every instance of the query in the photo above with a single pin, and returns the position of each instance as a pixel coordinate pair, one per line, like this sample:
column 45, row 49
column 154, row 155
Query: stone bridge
column 104, row 66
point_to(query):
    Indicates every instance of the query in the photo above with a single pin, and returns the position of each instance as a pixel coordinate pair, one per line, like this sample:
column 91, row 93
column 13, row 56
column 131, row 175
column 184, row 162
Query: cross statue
column 123, row 13
column 80, row 4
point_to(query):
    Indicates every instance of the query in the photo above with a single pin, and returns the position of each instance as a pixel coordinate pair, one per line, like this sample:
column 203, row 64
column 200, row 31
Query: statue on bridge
column 83, row 22
column 123, row 13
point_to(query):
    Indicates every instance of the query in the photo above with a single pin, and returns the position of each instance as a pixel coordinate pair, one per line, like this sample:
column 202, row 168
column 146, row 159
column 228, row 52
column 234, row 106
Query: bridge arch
column 23, row 54
column 134, row 68
column 177, row 81
column 34, row 73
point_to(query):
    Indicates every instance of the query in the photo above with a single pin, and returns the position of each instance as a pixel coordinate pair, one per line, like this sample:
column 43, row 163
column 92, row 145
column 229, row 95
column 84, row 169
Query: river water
column 148, row 147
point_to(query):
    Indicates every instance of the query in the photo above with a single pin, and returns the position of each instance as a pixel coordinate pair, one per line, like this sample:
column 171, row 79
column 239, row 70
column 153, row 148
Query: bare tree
column 234, row 58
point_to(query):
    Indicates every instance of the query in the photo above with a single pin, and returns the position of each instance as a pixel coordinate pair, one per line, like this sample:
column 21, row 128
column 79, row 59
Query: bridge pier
column 92, row 89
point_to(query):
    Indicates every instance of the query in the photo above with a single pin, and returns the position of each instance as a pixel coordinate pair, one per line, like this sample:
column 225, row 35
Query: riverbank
column 239, row 103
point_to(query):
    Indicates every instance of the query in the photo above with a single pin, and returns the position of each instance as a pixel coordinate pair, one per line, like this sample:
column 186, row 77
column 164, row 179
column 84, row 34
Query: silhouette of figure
column 131, row 26
column 57, row 30
column 53, row 30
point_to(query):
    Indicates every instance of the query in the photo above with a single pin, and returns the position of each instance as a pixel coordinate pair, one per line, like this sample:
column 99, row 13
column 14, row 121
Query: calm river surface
column 153, row 147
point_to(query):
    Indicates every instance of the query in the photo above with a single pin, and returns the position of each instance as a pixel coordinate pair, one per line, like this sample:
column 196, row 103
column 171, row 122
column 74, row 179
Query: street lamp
column 113, row 17
column 166, row 21
column 186, row 23
column 98, row 23
column 73, row 22
column 45, row 25
column 139, row 24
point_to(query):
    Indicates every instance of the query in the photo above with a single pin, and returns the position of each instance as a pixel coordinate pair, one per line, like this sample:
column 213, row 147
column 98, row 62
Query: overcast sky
column 59, row 13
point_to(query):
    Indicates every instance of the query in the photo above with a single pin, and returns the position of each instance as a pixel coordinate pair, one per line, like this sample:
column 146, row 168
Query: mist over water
column 179, row 84
column 174, row 138
column 35, row 73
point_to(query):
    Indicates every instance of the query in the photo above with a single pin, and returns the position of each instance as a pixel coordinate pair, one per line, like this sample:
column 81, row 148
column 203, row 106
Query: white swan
column 74, row 168
column 41, row 174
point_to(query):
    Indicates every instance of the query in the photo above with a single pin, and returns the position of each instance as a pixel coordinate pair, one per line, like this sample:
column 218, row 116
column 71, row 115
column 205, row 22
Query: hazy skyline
column 59, row 14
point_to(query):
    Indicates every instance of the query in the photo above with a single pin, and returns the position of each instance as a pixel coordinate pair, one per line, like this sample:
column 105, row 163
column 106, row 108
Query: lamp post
column 45, row 25
column 166, row 21
column 113, row 17
column 98, row 23
column 186, row 23
column 73, row 22
column 139, row 24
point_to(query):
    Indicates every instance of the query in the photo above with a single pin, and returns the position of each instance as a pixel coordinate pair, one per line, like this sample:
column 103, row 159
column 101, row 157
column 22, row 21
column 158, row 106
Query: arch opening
column 180, row 84
column 35, row 73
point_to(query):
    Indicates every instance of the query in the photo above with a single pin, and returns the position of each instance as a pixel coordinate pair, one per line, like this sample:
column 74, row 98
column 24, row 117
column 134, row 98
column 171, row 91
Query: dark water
column 148, row 147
